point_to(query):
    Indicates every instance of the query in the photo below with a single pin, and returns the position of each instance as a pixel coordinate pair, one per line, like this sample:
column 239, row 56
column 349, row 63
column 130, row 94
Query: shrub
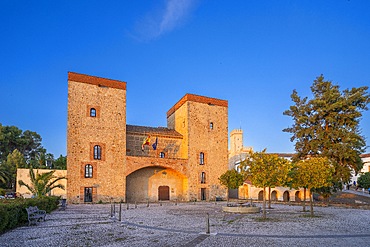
column 13, row 212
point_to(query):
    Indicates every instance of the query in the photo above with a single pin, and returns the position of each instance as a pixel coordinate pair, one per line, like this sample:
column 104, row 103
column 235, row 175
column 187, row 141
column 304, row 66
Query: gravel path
column 185, row 225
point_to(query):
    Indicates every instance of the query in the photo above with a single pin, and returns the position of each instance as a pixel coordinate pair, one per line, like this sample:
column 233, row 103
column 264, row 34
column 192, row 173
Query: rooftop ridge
column 199, row 99
column 95, row 80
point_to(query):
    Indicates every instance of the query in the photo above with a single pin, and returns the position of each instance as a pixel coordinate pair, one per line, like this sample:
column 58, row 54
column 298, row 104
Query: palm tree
column 42, row 184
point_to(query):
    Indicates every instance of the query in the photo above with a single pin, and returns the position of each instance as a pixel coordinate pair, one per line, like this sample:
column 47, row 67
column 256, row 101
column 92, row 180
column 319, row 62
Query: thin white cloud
column 157, row 23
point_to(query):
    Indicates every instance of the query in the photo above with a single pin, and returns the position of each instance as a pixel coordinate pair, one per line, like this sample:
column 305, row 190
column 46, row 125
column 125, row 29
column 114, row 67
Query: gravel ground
column 185, row 225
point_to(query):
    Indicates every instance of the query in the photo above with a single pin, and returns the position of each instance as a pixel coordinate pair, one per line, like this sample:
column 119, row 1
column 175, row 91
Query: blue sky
column 251, row 53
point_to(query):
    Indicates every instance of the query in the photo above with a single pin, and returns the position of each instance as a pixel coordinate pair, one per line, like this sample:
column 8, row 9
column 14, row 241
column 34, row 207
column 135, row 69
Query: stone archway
column 286, row 196
column 274, row 196
column 155, row 183
column 260, row 195
column 297, row 196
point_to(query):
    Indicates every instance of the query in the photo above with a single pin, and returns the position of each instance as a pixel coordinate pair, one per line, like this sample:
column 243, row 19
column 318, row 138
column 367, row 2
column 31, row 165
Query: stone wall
column 24, row 175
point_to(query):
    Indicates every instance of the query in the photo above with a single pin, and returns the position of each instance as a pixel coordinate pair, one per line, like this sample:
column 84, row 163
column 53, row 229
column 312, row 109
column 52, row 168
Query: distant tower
column 236, row 141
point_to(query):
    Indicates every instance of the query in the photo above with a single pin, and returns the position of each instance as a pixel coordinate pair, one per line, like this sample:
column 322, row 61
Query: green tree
column 27, row 142
column 42, row 184
column 4, row 175
column 265, row 170
column 232, row 179
column 60, row 163
column 328, row 126
column 310, row 174
column 14, row 161
column 364, row 180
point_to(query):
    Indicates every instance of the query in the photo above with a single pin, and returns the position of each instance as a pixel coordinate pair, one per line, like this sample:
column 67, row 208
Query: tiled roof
column 365, row 155
column 160, row 131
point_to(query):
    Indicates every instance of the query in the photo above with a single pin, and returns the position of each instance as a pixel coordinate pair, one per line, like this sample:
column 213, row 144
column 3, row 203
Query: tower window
column 203, row 178
column 88, row 171
column 211, row 125
column 201, row 158
column 161, row 155
column 92, row 112
column 97, row 152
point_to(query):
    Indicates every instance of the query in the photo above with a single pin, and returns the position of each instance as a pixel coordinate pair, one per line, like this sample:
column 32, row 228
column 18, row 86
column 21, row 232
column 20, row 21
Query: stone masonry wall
column 108, row 129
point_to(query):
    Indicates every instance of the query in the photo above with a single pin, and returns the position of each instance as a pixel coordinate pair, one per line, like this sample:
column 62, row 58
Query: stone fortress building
column 111, row 160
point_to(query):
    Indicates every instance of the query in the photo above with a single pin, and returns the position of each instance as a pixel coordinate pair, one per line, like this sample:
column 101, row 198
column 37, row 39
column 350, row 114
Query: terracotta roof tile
column 160, row 131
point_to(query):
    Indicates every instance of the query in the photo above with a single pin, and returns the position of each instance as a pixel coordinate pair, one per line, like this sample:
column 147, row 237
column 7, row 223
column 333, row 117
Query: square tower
column 96, row 138
column 203, row 122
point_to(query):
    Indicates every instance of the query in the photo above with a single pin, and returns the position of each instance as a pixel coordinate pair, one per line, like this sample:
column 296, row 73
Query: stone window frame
column 203, row 178
column 90, row 108
column 93, row 196
column 97, row 152
column 83, row 170
column 102, row 151
column 202, row 158
column 211, row 125
column 89, row 171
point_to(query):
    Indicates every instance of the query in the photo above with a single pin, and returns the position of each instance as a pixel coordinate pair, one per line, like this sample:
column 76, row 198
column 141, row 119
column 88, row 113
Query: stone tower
column 96, row 134
column 203, row 122
column 108, row 159
column 236, row 141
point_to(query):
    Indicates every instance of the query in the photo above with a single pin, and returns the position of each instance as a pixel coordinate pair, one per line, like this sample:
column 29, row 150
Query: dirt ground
column 347, row 199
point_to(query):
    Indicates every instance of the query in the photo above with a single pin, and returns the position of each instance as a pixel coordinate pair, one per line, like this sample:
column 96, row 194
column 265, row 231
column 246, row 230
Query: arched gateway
column 155, row 184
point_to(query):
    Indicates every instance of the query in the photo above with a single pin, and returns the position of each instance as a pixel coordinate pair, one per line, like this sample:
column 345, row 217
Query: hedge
column 13, row 211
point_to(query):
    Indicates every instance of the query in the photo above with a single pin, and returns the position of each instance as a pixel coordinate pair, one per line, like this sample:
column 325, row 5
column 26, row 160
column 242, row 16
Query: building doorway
column 203, row 195
column 297, row 196
column 286, row 197
column 88, row 192
column 260, row 196
column 163, row 193
column 274, row 196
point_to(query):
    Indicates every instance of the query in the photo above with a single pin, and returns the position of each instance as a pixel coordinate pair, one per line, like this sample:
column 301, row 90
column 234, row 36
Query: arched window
column 161, row 155
column 88, row 171
column 92, row 112
column 211, row 125
column 97, row 152
column 201, row 158
column 203, row 178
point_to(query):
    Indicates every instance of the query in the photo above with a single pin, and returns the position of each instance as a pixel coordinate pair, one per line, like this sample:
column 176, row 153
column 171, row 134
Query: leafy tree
column 4, row 175
column 310, row 174
column 14, row 161
column 60, row 163
column 265, row 170
column 10, row 139
column 232, row 179
column 27, row 142
column 42, row 184
column 364, row 180
column 328, row 126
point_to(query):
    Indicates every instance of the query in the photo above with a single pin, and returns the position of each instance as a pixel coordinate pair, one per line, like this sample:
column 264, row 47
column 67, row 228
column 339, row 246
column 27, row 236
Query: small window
column 97, row 152
column 161, row 155
column 203, row 178
column 92, row 112
column 211, row 125
column 201, row 158
column 88, row 171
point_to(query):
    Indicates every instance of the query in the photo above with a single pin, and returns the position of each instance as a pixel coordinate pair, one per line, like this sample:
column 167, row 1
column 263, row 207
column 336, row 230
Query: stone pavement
column 185, row 225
